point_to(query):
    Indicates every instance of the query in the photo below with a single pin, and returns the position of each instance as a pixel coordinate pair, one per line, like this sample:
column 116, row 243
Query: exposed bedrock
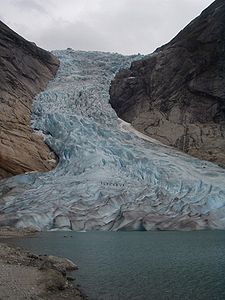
column 109, row 176
column 177, row 94
column 25, row 70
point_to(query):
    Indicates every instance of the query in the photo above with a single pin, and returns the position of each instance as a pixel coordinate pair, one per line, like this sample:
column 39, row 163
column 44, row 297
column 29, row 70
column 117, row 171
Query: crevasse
column 109, row 177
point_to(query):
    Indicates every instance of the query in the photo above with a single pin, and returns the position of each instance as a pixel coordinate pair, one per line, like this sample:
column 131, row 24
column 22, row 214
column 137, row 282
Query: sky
column 123, row 26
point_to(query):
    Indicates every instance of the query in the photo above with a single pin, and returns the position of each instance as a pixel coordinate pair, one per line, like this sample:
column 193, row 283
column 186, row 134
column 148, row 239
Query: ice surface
column 109, row 176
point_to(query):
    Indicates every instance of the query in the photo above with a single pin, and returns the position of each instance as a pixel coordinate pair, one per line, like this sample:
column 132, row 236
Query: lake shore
column 25, row 275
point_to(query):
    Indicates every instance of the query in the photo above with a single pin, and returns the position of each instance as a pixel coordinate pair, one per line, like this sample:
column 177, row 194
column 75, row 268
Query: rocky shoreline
column 25, row 275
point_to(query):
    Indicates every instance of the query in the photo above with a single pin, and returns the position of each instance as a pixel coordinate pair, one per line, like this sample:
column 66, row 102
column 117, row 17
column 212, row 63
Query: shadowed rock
column 25, row 70
column 177, row 94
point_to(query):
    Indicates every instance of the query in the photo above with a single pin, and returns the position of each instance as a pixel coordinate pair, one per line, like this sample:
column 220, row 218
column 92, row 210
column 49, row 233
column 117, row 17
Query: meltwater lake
column 141, row 265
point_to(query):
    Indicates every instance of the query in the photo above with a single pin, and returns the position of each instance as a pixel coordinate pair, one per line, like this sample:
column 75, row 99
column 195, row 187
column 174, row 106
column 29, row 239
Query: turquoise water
column 141, row 265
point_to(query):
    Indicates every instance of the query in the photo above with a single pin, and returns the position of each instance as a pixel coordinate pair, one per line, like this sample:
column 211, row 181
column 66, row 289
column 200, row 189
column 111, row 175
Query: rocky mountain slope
column 25, row 70
column 177, row 94
column 109, row 177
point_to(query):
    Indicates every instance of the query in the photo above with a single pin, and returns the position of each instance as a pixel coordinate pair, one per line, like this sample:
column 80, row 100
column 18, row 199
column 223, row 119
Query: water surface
column 141, row 265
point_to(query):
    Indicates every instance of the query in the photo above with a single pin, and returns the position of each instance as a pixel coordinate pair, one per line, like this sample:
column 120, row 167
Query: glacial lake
column 141, row 265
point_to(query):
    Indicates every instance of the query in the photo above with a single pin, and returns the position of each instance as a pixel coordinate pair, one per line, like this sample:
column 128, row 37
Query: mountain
column 25, row 70
column 109, row 176
column 177, row 94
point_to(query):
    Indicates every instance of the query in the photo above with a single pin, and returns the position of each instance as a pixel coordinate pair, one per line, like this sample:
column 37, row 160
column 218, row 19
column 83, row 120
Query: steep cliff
column 25, row 70
column 177, row 94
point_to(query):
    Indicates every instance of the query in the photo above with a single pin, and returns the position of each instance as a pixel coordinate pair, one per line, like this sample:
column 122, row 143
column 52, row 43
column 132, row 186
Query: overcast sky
column 124, row 26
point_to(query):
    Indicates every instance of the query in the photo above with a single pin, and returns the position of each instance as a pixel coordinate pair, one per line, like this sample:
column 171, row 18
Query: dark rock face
column 25, row 70
column 177, row 94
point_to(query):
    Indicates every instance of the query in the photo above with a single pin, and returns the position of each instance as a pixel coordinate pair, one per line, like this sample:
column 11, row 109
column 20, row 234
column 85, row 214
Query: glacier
column 109, row 176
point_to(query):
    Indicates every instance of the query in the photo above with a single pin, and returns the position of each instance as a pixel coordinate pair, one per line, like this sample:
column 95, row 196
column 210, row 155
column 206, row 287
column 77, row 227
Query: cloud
column 126, row 26
column 30, row 5
column 79, row 35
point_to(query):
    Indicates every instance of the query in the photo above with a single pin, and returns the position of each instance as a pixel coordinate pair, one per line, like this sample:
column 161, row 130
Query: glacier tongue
column 109, row 177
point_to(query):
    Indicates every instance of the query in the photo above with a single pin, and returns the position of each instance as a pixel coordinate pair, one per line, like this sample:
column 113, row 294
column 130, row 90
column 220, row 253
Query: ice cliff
column 109, row 177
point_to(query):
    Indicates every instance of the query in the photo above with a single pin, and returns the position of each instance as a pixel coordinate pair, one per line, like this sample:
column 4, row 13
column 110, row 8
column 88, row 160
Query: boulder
column 62, row 263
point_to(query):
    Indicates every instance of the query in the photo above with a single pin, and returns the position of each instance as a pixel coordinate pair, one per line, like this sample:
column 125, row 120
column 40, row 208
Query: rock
column 177, row 94
column 54, row 280
column 69, row 278
column 10, row 232
column 32, row 256
column 25, row 71
column 46, row 265
column 60, row 262
column 23, row 278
